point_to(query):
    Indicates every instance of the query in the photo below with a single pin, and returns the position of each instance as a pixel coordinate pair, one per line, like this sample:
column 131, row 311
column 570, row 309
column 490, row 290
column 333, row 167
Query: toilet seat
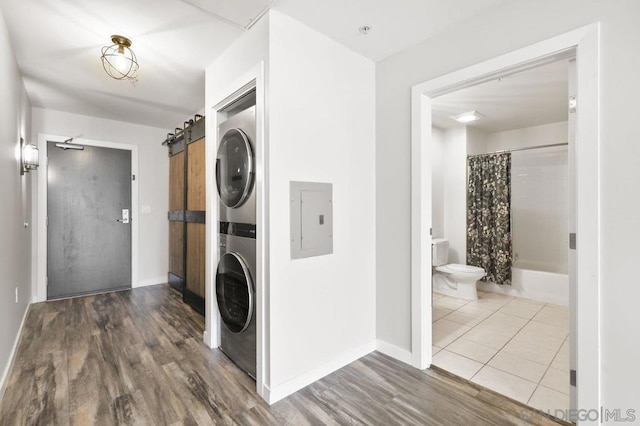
column 459, row 268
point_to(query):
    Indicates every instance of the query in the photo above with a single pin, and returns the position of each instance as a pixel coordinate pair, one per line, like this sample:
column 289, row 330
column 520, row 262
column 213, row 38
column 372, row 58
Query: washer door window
column 234, row 291
column 234, row 168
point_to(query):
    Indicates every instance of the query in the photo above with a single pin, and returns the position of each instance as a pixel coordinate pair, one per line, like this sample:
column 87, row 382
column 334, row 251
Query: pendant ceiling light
column 118, row 60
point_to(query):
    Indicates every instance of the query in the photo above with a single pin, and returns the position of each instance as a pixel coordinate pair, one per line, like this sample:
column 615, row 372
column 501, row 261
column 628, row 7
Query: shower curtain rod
column 519, row 149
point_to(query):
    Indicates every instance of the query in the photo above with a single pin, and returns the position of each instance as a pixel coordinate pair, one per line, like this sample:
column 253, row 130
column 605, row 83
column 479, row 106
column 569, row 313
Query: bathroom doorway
column 500, row 212
column 584, row 206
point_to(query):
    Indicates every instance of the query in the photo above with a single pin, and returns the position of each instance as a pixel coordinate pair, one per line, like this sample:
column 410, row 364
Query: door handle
column 125, row 216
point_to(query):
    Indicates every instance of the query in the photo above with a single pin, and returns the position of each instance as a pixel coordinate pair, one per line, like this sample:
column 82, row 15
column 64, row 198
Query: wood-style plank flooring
column 136, row 357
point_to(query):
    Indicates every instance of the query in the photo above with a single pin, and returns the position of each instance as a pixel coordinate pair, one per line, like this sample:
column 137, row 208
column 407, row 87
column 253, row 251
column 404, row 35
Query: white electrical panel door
column 311, row 219
column 314, row 209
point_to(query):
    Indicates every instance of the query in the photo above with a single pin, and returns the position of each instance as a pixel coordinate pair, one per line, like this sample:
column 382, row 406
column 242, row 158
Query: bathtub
column 547, row 287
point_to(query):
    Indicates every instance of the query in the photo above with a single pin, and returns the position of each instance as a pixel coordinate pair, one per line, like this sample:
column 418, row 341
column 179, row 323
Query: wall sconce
column 118, row 60
column 28, row 157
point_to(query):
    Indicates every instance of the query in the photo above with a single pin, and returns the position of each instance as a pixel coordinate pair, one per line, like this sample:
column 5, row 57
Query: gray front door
column 88, row 243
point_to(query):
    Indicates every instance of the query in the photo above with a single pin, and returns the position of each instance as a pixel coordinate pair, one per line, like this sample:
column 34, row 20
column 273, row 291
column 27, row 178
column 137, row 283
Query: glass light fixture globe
column 28, row 157
column 118, row 60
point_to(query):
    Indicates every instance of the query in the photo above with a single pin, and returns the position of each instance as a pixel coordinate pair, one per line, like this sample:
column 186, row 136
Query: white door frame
column 585, row 42
column 41, row 282
column 254, row 77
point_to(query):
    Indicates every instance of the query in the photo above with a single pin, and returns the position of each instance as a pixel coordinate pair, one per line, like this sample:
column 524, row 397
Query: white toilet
column 453, row 279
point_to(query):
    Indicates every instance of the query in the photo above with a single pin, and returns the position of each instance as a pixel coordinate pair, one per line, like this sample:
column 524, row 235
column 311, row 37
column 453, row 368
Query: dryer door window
column 234, row 291
column 234, row 168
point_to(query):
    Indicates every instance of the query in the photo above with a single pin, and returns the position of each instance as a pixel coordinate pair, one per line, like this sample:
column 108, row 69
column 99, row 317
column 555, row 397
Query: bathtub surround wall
column 539, row 206
column 540, row 209
column 540, row 197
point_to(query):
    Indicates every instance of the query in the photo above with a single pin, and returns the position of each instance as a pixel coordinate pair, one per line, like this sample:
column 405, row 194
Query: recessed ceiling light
column 364, row 29
column 467, row 117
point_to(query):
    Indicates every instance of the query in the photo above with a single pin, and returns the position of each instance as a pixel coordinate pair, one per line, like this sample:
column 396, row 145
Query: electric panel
column 311, row 219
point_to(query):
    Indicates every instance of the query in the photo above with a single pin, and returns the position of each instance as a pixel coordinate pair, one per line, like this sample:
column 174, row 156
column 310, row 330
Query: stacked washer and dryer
column 236, row 271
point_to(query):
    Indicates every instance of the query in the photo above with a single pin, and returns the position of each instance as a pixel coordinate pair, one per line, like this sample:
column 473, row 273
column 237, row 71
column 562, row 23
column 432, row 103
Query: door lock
column 125, row 216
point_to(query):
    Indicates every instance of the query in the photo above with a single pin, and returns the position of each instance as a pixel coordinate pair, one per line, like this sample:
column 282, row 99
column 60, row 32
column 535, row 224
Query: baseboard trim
column 175, row 281
column 146, row 283
column 205, row 338
column 193, row 300
column 394, row 351
column 12, row 357
column 291, row 386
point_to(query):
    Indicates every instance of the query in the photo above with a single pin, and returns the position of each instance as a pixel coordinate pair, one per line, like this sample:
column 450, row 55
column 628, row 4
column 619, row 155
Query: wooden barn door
column 177, row 228
column 187, row 218
column 195, row 217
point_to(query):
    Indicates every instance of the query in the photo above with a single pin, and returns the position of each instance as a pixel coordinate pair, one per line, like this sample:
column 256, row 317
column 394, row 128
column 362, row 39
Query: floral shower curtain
column 489, row 216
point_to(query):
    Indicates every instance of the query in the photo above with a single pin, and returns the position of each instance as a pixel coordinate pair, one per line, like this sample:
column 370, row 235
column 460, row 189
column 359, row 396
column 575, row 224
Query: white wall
column 449, row 189
column 437, row 183
column 544, row 134
column 525, row 23
column 476, row 141
column 228, row 73
column 322, row 129
column 153, row 180
column 449, row 185
column 455, row 193
column 15, row 208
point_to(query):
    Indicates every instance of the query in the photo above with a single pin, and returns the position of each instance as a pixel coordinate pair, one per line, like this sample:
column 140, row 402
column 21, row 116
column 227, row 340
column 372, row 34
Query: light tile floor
column 517, row 347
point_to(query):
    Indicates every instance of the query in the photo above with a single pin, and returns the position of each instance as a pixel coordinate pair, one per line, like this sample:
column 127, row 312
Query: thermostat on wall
column 311, row 219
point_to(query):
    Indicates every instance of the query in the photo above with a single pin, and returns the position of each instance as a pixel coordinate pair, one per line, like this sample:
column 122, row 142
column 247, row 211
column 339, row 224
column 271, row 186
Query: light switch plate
column 311, row 215
column 145, row 209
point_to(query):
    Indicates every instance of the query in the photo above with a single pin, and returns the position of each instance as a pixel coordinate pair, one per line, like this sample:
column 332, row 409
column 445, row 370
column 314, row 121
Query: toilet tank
column 439, row 251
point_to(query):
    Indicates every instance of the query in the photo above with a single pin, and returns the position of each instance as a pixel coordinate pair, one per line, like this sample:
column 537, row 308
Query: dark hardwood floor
column 136, row 357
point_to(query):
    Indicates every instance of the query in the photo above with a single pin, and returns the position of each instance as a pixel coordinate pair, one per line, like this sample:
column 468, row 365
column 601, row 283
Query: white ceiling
column 57, row 45
column 395, row 24
column 529, row 98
